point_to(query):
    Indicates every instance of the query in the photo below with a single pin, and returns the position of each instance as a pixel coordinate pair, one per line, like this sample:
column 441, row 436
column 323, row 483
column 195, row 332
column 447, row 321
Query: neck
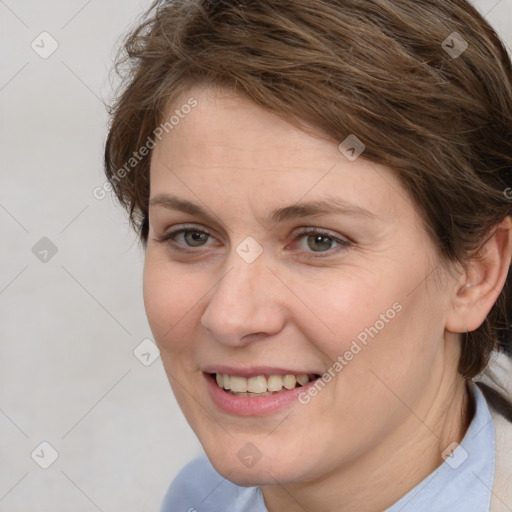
column 381, row 477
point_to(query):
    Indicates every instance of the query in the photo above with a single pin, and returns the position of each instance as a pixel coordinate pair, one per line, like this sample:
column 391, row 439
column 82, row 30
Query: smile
column 261, row 385
column 258, row 393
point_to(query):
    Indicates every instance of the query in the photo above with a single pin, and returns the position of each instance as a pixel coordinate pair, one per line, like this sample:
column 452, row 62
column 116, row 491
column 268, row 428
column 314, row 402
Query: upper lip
column 254, row 371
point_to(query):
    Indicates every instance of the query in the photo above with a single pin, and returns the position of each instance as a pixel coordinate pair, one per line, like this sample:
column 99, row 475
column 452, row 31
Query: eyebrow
column 329, row 205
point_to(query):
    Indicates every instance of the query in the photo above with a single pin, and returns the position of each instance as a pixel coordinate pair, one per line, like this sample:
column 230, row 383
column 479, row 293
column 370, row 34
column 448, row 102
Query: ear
column 482, row 281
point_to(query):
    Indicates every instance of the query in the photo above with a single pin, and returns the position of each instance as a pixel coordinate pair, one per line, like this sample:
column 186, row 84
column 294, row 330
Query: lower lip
column 247, row 406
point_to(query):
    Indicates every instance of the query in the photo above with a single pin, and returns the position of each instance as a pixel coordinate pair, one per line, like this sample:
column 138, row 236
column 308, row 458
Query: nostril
column 256, row 336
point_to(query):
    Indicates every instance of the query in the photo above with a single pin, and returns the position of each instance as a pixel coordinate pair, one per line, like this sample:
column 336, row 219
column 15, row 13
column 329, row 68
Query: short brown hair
column 397, row 74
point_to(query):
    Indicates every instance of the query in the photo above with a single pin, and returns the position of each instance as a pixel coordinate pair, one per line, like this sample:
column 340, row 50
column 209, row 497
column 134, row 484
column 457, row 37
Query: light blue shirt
column 462, row 483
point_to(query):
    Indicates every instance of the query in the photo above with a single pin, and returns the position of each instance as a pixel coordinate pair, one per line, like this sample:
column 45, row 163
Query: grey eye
column 319, row 243
column 195, row 238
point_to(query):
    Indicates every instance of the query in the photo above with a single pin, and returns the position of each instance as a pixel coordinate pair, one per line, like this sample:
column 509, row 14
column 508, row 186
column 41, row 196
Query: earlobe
column 482, row 281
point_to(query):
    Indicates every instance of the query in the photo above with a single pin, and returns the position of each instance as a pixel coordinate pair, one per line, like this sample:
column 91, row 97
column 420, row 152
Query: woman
column 322, row 191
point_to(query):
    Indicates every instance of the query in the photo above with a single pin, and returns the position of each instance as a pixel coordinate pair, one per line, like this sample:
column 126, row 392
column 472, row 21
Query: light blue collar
column 465, row 479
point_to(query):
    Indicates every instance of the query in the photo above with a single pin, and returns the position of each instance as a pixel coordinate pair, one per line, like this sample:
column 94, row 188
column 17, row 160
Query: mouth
column 256, row 391
column 260, row 385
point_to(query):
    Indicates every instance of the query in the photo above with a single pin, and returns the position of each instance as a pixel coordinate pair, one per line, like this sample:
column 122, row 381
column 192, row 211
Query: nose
column 244, row 306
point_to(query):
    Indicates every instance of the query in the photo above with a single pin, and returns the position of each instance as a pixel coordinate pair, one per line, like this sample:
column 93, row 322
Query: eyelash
column 343, row 244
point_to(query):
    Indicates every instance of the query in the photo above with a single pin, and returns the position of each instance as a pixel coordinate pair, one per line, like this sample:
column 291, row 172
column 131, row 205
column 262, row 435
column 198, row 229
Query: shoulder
column 196, row 472
column 198, row 487
column 197, row 476
column 502, row 490
column 499, row 377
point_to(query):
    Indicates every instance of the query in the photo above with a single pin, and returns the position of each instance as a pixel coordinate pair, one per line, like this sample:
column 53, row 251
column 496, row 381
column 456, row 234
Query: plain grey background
column 71, row 312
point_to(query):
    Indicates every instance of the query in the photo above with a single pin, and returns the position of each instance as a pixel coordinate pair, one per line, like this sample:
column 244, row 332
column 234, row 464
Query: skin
column 379, row 427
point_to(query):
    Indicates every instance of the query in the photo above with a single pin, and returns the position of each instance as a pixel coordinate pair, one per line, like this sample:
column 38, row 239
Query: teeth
column 289, row 381
column 275, row 383
column 257, row 384
column 302, row 379
column 261, row 385
column 267, row 393
column 238, row 384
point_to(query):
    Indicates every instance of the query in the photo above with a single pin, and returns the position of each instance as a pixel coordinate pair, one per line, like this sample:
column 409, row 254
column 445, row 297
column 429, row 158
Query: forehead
column 228, row 142
column 225, row 122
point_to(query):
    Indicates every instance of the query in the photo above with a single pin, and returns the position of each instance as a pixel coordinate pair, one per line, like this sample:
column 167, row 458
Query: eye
column 187, row 237
column 315, row 241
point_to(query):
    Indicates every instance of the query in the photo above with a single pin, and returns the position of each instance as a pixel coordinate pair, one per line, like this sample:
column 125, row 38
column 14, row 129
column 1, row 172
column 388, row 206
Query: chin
column 250, row 477
column 262, row 472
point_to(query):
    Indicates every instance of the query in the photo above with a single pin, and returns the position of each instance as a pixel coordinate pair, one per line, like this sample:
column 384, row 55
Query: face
column 272, row 256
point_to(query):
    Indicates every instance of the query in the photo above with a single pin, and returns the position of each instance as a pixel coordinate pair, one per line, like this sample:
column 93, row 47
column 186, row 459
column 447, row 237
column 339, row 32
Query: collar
column 465, row 479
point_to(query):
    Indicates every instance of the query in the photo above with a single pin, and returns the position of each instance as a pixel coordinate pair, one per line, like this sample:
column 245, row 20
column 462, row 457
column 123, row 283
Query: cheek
column 370, row 325
column 170, row 300
column 354, row 309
